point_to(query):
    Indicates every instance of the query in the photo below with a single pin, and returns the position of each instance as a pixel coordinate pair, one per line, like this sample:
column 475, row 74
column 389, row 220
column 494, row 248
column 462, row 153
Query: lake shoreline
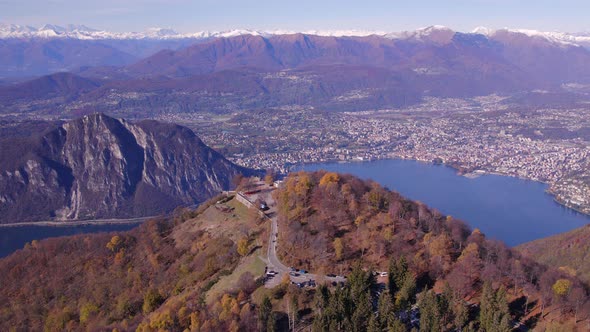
column 97, row 222
column 502, row 205
column 460, row 172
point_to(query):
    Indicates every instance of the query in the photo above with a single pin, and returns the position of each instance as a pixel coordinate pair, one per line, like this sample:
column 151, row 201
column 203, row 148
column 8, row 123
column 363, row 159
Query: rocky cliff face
column 101, row 167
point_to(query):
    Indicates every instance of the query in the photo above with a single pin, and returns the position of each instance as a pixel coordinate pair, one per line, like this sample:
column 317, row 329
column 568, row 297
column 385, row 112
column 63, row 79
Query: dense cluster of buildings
column 547, row 145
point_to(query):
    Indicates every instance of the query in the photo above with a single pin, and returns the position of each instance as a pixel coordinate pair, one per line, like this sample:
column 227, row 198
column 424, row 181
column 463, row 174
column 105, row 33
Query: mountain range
column 101, row 167
column 250, row 71
column 74, row 31
column 27, row 51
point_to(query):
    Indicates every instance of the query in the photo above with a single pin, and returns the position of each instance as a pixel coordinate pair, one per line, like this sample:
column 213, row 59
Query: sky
column 300, row 15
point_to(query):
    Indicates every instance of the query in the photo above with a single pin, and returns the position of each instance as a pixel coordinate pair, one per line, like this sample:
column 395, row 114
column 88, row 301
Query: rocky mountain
column 100, row 167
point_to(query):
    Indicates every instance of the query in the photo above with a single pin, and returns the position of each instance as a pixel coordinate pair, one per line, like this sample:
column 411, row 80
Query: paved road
column 273, row 262
column 264, row 193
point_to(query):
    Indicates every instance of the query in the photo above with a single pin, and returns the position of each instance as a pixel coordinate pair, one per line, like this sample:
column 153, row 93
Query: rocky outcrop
column 100, row 167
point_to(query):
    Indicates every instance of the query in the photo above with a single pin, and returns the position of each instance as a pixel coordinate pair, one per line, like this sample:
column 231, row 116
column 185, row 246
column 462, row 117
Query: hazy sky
column 383, row 15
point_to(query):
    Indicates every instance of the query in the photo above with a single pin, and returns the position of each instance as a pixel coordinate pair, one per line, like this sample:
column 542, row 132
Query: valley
column 478, row 101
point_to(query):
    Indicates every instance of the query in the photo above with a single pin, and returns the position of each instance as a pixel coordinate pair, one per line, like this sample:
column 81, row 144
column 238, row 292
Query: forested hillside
column 568, row 251
column 330, row 221
column 203, row 270
column 152, row 278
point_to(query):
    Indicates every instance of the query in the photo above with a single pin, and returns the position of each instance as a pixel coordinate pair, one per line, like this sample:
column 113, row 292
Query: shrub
column 152, row 300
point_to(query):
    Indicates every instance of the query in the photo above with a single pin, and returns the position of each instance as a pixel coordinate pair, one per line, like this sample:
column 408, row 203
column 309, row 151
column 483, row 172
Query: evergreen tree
column 341, row 307
column 321, row 321
column 362, row 312
column 494, row 315
column 398, row 268
column 446, row 302
column 461, row 316
column 386, row 310
column 374, row 325
column 487, row 307
column 404, row 297
column 322, row 299
column 360, row 281
column 429, row 312
column 397, row 326
column 265, row 317
column 502, row 315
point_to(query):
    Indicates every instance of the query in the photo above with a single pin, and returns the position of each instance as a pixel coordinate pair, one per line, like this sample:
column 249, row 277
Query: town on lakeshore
column 482, row 134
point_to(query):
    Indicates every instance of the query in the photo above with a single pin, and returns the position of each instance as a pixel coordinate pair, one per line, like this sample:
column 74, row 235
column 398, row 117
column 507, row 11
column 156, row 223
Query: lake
column 14, row 238
column 509, row 209
column 506, row 208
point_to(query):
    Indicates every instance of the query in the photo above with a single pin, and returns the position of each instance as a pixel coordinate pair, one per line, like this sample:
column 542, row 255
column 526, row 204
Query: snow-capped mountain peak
column 435, row 33
column 555, row 37
column 482, row 31
column 160, row 32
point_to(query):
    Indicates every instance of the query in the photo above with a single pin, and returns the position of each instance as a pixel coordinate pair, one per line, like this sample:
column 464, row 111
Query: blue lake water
column 14, row 238
column 509, row 209
column 505, row 208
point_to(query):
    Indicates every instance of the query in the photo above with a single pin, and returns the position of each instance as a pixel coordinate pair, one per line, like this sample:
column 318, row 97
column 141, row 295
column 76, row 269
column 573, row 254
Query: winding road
column 273, row 262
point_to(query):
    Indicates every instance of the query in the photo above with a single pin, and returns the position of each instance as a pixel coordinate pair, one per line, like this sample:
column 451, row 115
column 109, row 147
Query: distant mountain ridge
column 64, row 85
column 74, row 31
column 100, row 167
column 348, row 73
column 29, row 51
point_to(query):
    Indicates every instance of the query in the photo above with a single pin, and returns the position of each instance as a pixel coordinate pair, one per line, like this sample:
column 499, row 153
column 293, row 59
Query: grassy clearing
column 235, row 221
column 253, row 264
column 240, row 210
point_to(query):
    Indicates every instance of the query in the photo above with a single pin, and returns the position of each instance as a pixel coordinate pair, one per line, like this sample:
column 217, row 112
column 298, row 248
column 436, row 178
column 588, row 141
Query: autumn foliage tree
column 322, row 212
column 243, row 247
